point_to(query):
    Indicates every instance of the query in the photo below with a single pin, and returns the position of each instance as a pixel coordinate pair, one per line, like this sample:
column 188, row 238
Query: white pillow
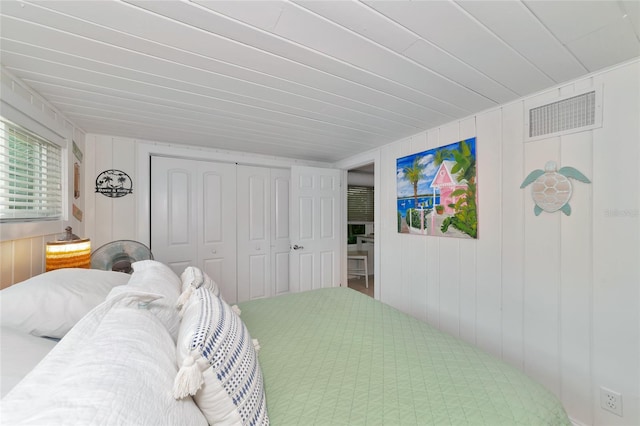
column 219, row 363
column 50, row 304
column 19, row 354
column 155, row 277
column 116, row 367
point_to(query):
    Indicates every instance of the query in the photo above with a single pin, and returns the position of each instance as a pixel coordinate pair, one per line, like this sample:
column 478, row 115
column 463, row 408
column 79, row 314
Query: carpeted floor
column 358, row 285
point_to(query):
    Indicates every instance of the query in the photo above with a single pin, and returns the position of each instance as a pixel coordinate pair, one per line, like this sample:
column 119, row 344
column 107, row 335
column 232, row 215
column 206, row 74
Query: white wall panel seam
column 522, row 250
column 501, row 230
column 559, row 293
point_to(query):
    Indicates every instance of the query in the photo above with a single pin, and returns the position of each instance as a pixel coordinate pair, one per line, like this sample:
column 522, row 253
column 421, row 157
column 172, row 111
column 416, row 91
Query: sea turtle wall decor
column 552, row 189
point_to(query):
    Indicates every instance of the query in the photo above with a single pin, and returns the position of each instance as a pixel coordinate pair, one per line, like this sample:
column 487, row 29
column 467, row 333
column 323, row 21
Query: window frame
column 363, row 192
column 28, row 228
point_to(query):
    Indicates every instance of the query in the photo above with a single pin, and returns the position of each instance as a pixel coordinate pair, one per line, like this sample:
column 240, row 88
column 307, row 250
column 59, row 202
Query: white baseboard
column 575, row 422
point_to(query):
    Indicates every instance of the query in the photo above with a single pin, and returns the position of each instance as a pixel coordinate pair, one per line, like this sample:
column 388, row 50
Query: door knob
column 297, row 247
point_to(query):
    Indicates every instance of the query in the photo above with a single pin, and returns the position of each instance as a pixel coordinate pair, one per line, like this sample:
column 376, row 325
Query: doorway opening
column 360, row 229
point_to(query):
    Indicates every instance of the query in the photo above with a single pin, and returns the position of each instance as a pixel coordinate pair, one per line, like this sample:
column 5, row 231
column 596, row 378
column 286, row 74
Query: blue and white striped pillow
column 193, row 276
column 219, row 364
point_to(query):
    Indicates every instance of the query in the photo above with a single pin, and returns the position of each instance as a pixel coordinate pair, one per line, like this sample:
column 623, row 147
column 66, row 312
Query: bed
column 335, row 356
column 323, row 357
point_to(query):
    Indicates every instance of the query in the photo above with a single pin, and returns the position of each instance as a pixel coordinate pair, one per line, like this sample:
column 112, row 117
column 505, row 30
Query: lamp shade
column 71, row 252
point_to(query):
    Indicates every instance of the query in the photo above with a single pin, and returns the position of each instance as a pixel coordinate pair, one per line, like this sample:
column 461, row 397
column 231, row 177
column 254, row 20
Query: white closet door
column 280, row 238
column 173, row 212
column 193, row 218
column 315, row 228
column 254, row 233
column 216, row 234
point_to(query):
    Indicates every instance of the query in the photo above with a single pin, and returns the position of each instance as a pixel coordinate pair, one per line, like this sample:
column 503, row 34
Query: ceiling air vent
column 568, row 115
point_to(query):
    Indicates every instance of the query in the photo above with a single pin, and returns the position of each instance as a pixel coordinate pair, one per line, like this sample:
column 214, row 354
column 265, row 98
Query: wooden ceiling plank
column 179, row 76
column 261, row 62
column 363, row 20
column 331, row 129
column 299, row 61
column 159, row 92
column 302, row 27
column 443, row 24
column 520, row 29
column 251, row 131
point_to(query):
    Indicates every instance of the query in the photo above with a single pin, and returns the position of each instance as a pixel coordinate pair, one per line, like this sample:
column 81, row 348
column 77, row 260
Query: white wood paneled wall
column 22, row 259
column 557, row 296
column 110, row 219
column 22, row 246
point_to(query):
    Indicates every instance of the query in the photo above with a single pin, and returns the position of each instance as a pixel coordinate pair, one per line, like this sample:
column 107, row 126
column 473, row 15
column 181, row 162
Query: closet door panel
column 280, row 240
column 212, row 208
column 231, row 221
column 254, row 229
column 259, row 276
column 217, row 225
column 173, row 212
column 214, row 269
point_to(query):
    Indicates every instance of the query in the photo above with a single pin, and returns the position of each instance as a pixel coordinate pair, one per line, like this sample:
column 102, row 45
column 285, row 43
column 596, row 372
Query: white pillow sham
column 116, row 366
column 19, row 353
column 219, row 365
column 155, row 277
column 51, row 303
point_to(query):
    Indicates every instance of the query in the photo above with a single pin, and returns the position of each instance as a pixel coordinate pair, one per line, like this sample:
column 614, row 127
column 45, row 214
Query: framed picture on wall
column 76, row 180
column 437, row 191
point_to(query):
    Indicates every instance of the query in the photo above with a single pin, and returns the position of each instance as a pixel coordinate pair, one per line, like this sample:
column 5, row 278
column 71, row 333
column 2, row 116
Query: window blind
column 359, row 203
column 30, row 175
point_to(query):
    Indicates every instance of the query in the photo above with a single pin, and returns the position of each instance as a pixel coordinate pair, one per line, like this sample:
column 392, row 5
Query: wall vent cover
column 568, row 115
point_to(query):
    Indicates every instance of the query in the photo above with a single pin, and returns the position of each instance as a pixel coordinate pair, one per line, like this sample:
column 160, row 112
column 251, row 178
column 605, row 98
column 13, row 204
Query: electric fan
column 119, row 255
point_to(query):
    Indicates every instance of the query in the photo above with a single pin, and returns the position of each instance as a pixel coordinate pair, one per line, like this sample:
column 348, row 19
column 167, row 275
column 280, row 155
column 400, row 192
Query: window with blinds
column 30, row 176
column 359, row 203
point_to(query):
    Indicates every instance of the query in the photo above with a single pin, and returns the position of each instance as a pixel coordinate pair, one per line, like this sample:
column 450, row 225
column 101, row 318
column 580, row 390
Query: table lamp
column 69, row 251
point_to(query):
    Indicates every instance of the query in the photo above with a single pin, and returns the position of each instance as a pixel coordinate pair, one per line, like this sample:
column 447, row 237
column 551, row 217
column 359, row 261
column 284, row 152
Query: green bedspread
column 337, row 357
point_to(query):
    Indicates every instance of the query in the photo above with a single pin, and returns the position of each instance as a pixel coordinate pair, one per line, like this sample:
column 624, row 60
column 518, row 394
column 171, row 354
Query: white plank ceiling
column 317, row 80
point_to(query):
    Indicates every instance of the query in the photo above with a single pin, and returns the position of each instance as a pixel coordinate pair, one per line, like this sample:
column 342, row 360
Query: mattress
column 337, row 357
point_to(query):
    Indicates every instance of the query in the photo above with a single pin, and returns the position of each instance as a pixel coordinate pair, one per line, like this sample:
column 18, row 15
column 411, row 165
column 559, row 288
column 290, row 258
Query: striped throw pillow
column 219, row 364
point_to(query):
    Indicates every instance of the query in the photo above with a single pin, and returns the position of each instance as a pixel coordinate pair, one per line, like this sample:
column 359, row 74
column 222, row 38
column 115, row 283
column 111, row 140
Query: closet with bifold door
column 263, row 232
column 230, row 220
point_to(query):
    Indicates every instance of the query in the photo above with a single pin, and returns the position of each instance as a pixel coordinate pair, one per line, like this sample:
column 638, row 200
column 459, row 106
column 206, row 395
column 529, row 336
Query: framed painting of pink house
column 437, row 191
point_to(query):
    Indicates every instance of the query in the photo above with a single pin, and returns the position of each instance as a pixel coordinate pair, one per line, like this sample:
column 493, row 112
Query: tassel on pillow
column 236, row 309
column 256, row 345
column 192, row 278
column 188, row 380
column 188, row 276
column 198, row 277
column 184, row 297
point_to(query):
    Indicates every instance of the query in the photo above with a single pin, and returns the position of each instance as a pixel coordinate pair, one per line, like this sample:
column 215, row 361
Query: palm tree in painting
column 414, row 174
column 441, row 155
column 465, row 218
column 465, row 163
